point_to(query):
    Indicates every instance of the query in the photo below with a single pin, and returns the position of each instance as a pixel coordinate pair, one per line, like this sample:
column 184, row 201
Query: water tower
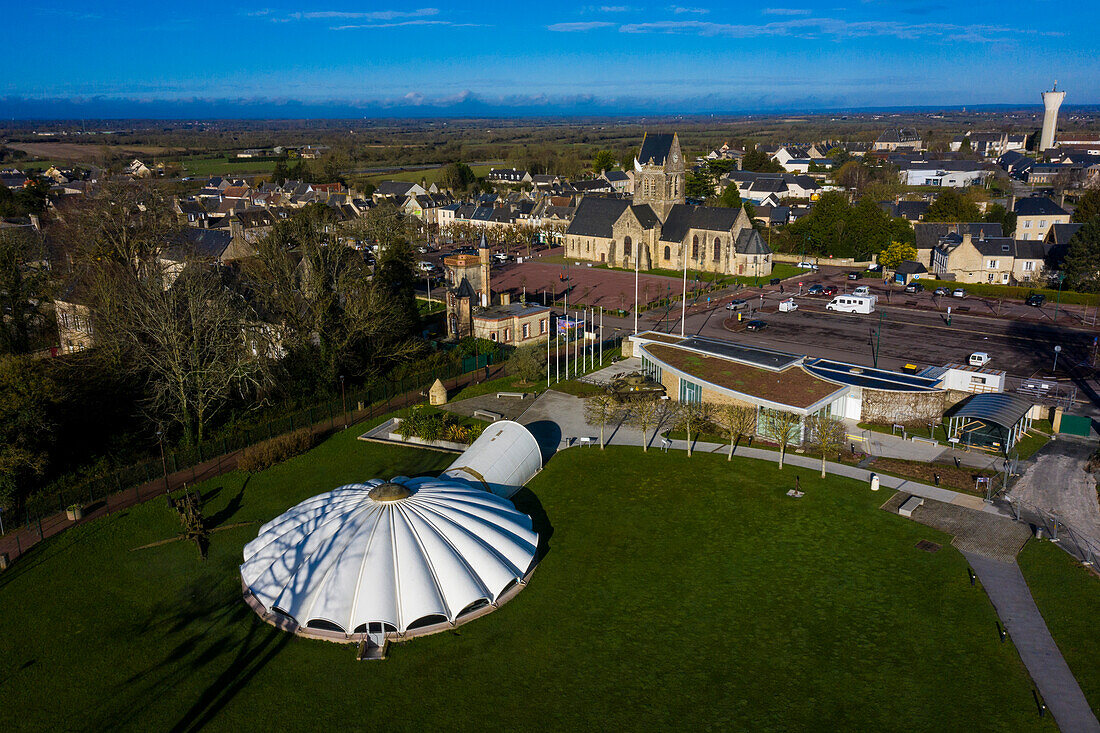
column 1052, row 101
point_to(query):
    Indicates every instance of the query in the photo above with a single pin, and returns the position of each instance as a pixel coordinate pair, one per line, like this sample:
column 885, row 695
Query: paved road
column 1006, row 587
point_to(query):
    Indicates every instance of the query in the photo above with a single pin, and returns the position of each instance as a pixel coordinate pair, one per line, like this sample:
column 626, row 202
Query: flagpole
column 636, row 290
column 684, row 309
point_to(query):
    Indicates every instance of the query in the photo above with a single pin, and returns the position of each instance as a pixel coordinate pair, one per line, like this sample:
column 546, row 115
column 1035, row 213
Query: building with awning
column 991, row 421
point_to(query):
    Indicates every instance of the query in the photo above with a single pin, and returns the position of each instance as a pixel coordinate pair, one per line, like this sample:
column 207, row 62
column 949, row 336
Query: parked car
column 737, row 304
column 1036, row 300
column 807, row 266
column 756, row 326
column 815, row 289
column 941, row 292
column 830, row 290
column 979, row 359
column 854, row 275
column 958, row 293
column 862, row 290
column 914, row 288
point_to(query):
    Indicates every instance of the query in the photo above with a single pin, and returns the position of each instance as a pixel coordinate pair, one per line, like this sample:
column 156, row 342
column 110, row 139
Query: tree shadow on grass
column 213, row 638
column 230, row 509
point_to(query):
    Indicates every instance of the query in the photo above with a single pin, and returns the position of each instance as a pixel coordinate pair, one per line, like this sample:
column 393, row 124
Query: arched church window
column 717, row 249
column 695, row 247
column 626, row 246
column 668, row 253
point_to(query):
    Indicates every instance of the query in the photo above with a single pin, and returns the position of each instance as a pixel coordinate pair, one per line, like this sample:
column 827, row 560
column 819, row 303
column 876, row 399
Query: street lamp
column 344, row 401
column 1057, row 350
column 163, row 461
column 1058, row 299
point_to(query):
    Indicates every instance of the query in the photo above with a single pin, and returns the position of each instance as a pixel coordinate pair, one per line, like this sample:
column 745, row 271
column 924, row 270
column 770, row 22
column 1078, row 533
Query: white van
column 852, row 304
column 862, row 290
column 979, row 359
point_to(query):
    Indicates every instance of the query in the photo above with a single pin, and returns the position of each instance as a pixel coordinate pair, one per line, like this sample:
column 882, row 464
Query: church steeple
column 659, row 173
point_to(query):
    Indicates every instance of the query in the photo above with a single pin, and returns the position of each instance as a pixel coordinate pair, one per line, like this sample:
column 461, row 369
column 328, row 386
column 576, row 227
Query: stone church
column 660, row 229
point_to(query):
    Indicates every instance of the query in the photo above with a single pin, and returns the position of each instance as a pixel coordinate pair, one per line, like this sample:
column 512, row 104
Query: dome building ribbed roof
column 403, row 553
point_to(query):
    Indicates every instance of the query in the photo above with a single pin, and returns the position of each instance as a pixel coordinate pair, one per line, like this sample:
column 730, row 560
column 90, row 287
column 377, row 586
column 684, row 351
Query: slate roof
column 655, row 148
column 647, row 217
column 1038, row 206
column 899, row 135
column 201, row 242
column 616, row 176
column 393, row 188
column 928, row 234
column 911, row 268
column 1062, row 233
column 683, row 217
column 749, row 242
column 596, row 215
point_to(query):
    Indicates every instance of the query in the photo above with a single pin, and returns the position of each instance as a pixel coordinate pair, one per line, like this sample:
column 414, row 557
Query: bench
column 488, row 415
column 517, row 395
column 910, row 505
column 921, row 439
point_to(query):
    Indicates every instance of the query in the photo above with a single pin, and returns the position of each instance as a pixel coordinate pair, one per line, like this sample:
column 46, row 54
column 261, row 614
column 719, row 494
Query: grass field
column 431, row 175
column 220, row 166
column 1068, row 596
column 674, row 593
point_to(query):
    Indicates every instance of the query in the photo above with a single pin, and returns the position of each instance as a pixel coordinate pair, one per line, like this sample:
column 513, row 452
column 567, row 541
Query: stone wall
column 902, row 408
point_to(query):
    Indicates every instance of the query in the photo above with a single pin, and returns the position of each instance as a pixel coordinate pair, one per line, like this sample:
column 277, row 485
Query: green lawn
column 220, row 166
column 1068, row 596
column 675, row 593
column 431, row 175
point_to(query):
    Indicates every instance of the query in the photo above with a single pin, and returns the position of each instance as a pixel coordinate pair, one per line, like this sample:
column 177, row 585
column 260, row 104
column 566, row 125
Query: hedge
column 1015, row 292
column 276, row 450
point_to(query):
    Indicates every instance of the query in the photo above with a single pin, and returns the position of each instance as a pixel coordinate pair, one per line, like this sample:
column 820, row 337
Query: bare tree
column 602, row 409
column 646, row 414
column 691, row 417
column 738, row 420
column 781, row 427
column 24, row 290
column 826, row 435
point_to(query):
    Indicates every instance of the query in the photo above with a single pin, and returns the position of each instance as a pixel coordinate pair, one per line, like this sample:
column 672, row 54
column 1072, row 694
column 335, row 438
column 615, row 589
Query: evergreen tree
column 1088, row 208
column 1082, row 264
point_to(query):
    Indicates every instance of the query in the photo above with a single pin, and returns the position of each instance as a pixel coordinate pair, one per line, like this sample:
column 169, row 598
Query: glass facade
column 690, row 392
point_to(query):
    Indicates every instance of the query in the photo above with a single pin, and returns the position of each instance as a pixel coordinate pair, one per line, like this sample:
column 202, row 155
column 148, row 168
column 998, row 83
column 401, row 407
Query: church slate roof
column 647, row 217
column 749, row 242
column 596, row 215
column 655, row 148
column 684, row 217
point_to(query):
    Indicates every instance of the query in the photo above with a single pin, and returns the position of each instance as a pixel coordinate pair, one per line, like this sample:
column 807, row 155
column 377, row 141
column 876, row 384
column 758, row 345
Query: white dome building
column 408, row 554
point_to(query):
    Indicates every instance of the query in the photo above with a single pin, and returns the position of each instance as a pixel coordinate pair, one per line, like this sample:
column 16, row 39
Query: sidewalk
column 1006, row 587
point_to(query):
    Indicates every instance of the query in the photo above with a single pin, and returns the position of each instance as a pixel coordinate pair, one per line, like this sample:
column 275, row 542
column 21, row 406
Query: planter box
column 74, row 513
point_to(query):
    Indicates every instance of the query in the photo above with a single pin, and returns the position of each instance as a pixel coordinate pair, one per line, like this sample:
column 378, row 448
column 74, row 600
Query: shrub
column 276, row 450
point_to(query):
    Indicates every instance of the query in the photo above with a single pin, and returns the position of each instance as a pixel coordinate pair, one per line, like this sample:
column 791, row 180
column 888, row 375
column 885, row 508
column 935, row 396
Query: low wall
column 830, row 261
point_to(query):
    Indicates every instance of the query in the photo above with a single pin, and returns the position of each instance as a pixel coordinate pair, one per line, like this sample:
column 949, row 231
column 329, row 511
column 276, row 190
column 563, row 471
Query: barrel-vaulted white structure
column 389, row 556
column 504, row 458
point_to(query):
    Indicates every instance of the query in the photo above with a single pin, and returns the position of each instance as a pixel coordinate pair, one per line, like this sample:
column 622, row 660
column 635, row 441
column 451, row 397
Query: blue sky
column 701, row 57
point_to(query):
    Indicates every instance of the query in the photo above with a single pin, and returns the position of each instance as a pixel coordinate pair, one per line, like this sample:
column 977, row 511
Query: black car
column 914, row 288
column 815, row 289
column 756, row 326
column 1036, row 300
column 854, row 275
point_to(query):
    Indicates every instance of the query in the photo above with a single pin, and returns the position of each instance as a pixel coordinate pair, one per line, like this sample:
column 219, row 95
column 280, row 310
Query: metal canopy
column 1003, row 409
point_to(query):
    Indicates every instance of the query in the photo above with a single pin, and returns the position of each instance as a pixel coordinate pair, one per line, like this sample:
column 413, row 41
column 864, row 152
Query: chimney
column 486, row 290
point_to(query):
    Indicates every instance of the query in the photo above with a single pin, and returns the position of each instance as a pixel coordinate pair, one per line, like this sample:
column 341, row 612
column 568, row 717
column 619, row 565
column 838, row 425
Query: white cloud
column 579, row 26
column 832, row 27
column 679, row 10
column 382, row 15
column 786, row 11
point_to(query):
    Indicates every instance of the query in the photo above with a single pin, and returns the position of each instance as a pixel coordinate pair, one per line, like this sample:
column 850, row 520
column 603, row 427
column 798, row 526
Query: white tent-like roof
column 404, row 553
column 503, row 458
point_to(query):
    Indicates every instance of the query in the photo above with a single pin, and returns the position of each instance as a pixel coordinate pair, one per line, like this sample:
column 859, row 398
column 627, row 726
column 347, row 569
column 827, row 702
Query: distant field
column 79, row 152
column 220, row 166
column 431, row 175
